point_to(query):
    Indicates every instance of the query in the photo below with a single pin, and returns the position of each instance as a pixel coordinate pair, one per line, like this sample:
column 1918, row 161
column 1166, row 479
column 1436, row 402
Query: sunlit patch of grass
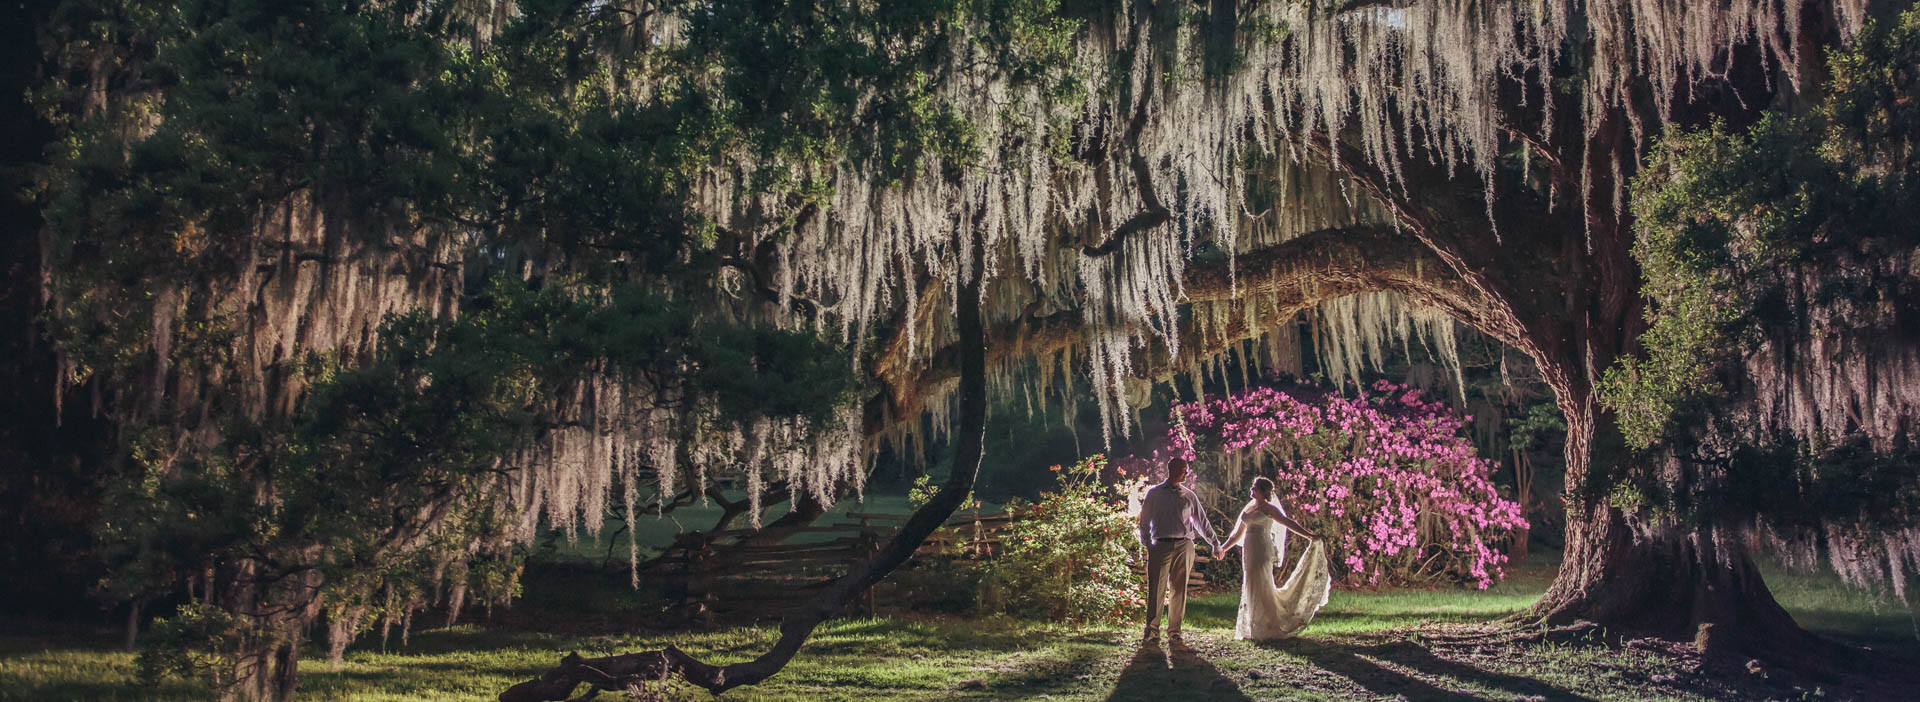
column 1363, row 645
column 1822, row 603
column 1365, row 611
column 71, row 672
column 653, row 532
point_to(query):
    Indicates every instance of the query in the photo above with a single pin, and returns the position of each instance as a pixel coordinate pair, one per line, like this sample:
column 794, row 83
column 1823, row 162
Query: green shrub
column 946, row 583
column 199, row 642
column 1068, row 556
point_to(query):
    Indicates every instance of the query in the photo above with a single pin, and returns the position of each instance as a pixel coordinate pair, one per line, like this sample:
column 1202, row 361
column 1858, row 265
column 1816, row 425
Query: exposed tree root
column 1692, row 595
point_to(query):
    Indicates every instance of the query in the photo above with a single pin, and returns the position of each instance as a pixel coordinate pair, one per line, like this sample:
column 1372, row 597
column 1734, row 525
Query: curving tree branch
column 1287, row 279
column 1153, row 213
column 629, row 670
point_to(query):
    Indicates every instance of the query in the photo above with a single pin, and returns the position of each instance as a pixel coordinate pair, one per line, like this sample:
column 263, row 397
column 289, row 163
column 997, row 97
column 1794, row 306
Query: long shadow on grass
column 1415, row 656
column 1180, row 674
column 897, row 635
column 1376, row 678
column 1051, row 673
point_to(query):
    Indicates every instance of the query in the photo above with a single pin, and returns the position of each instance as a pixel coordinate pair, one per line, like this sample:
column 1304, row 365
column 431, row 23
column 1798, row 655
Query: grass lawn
column 654, row 532
column 1364, row 645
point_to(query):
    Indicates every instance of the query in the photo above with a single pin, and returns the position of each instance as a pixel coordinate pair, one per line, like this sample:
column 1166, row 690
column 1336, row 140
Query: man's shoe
column 1151, row 634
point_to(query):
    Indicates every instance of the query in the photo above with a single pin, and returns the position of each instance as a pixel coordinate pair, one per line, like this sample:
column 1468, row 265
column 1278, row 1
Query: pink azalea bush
column 1386, row 476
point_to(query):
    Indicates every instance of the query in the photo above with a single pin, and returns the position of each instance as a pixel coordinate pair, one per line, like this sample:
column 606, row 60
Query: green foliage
column 819, row 83
column 1542, row 419
column 553, row 137
column 223, row 109
column 1067, row 557
column 947, row 583
column 1870, row 105
column 389, row 486
column 1805, row 486
column 199, row 642
column 923, row 489
column 1691, row 248
column 190, row 129
column 1726, row 220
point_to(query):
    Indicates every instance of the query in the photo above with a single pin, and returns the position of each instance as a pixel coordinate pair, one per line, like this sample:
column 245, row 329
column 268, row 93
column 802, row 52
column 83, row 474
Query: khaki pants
column 1168, row 563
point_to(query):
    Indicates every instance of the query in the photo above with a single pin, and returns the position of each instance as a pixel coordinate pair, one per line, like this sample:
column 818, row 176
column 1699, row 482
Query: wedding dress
column 1267, row 612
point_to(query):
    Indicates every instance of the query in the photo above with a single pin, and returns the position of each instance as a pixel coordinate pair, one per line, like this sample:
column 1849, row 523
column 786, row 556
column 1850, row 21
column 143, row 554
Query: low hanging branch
column 1153, row 213
column 629, row 670
column 1289, row 277
column 804, row 512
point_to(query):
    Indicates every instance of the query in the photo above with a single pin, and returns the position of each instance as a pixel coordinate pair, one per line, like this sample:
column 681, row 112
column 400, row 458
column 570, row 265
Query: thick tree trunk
column 267, row 674
column 1630, row 572
column 620, row 672
column 341, row 628
column 1635, row 575
column 133, row 624
column 270, row 645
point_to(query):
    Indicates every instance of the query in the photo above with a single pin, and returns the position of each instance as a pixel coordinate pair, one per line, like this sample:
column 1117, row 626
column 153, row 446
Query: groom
column 1170, row 519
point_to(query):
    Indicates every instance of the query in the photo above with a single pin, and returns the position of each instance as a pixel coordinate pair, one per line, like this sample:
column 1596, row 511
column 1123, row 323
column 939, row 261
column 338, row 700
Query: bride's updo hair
column 1264, row 486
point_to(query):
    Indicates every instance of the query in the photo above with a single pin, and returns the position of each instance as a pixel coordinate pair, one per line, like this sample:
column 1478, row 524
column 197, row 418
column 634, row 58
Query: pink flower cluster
column 1386, row 477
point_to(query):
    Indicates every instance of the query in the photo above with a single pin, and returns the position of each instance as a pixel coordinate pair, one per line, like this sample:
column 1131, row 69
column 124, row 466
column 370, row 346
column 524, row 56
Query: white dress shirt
column 1174, row 512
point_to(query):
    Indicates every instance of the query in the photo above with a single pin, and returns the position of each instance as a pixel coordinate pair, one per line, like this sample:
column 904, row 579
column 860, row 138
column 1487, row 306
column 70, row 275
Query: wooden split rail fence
column 715, row 575
column 978, row 536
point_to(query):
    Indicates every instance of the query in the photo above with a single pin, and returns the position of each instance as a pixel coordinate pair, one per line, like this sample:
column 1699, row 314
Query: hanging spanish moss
column 1155, row 166
column 1172, row 152
column 1115, row 193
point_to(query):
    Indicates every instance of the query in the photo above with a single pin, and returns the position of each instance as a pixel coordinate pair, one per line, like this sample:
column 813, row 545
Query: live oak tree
column 967, row 196
column 366, row 310
column 1777, row 372
column 1539, row 250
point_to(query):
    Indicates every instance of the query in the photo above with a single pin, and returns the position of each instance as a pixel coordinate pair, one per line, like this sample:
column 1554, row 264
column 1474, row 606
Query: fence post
column 870, row 546
column 699, row 567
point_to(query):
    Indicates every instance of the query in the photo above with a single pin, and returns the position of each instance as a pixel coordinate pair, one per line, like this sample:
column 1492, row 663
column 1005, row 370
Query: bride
column 1267, row 612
